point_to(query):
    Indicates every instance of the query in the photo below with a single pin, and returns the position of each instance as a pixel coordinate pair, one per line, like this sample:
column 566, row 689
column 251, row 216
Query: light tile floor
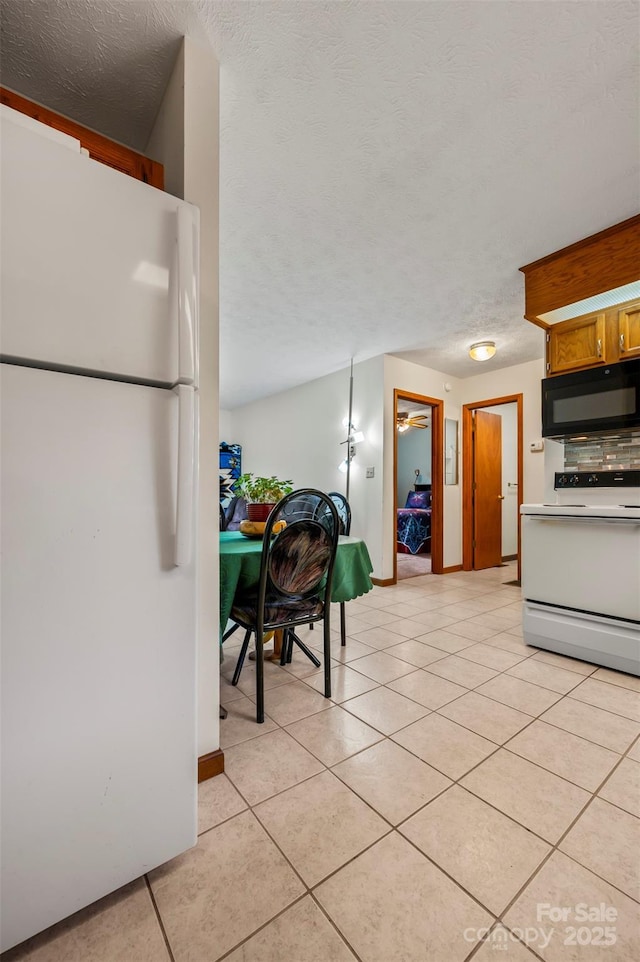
column 458, row 785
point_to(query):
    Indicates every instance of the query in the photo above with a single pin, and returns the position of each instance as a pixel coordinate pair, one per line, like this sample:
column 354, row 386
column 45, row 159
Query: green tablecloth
column 240, row 568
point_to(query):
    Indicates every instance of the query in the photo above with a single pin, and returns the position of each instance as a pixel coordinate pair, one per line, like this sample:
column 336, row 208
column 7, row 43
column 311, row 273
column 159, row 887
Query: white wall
column 522, row 379
column 166, row 143
column 508, row 413
column 226, row 426
column 186, row 139
column 367, row 494
column 414, row 451
column 297, row 435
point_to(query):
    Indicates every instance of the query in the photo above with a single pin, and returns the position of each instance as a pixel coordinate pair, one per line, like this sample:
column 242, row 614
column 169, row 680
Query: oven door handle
column 575, row 519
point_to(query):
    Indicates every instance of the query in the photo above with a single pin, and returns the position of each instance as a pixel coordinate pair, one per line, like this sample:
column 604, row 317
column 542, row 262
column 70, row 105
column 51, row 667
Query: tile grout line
column 504, row 814
column 555, row 848
column 340, row 934
column 392, row 829
column 307, row 888
column 584, row 737
column 385, row 737
column 548, row 770
column 479, row 945
column 437, row 711
column 159, row 917
column 475, row 689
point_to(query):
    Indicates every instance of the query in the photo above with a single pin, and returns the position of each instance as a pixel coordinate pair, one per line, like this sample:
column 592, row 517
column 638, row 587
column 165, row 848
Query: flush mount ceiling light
column 404, row 421
column 482, row 350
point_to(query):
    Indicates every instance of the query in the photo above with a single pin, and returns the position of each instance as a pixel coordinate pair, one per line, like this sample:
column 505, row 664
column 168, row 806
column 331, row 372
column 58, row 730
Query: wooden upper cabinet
column 602, row 337
column 629, row 331
column 598, row 274
column 576, row 344
column 100, row 148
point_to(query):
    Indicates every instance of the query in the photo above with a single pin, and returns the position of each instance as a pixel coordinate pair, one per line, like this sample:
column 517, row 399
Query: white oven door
column 592, row 564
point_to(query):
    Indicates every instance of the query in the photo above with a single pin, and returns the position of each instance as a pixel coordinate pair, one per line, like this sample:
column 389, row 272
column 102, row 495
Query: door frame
column 467, row 472
column 437, row 476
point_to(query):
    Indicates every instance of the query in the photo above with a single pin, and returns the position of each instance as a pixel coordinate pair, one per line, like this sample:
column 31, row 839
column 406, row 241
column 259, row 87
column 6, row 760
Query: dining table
column 240, row 558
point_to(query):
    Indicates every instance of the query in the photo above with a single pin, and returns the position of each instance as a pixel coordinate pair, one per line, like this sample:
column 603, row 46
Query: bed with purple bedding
column 413, row 526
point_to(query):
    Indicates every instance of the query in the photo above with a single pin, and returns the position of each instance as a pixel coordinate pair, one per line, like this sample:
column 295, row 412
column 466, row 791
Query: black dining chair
column 344, row 514
column 294, row 588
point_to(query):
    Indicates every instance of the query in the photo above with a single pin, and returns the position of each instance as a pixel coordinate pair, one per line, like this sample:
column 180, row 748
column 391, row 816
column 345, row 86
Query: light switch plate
column 371, row 472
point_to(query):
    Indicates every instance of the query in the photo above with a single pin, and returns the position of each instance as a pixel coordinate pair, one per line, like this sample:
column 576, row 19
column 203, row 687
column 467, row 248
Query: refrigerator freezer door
column 98, row 698
column 8, row 113
column 93, row 277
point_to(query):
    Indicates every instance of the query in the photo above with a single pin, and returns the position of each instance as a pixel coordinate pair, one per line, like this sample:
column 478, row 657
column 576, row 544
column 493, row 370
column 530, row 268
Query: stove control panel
column 597, row 479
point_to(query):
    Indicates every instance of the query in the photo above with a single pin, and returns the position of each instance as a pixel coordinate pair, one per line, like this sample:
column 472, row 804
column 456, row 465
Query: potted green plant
column 261, row 494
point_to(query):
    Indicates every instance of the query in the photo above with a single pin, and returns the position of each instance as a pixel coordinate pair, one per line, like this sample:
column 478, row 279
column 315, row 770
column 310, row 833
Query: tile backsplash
column 603, row 454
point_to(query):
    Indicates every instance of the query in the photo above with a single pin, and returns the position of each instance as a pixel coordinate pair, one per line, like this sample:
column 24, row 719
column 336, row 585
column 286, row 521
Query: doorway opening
column 492, row 479
column 418, row 481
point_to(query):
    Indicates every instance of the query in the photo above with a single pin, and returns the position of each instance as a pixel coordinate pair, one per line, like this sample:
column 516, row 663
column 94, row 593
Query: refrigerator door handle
column 186, row 471
column 187, row 296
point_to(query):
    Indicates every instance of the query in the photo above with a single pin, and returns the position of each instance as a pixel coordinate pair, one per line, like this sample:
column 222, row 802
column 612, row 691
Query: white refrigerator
column 99, row 377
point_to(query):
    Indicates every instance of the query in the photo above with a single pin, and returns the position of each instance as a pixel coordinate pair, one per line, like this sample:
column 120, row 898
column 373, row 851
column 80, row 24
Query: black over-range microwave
column 601, row 399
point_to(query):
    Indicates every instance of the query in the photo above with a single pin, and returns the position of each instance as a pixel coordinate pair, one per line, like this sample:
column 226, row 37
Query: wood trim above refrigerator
column 602, row 262
column 100, row 148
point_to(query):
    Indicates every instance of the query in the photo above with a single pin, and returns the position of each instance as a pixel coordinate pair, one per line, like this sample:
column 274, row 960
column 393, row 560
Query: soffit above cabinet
column 630, row 292
column 590, row 275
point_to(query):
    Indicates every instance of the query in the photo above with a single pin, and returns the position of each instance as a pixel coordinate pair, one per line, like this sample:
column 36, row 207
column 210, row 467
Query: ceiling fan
column 404, row 421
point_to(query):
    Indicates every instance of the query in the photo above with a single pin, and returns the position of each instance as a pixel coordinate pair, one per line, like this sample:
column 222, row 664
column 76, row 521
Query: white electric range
column 581, row 569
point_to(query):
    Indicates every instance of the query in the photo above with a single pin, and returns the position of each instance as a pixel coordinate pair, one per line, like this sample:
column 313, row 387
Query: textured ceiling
column 386, row 167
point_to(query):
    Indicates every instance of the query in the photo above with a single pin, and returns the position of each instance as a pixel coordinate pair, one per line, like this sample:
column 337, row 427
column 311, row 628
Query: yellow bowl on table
column 255, row 529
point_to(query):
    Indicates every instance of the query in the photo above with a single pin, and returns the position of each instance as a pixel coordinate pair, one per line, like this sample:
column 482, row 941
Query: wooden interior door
column 487, row 490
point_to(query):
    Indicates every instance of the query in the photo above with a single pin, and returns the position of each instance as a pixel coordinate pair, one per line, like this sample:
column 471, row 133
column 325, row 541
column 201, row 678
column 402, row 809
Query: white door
column 98, row 269
column 99, row 763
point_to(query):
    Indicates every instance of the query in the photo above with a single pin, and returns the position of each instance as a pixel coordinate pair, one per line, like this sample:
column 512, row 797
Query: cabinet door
column 576, row 344
column 629, row 331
